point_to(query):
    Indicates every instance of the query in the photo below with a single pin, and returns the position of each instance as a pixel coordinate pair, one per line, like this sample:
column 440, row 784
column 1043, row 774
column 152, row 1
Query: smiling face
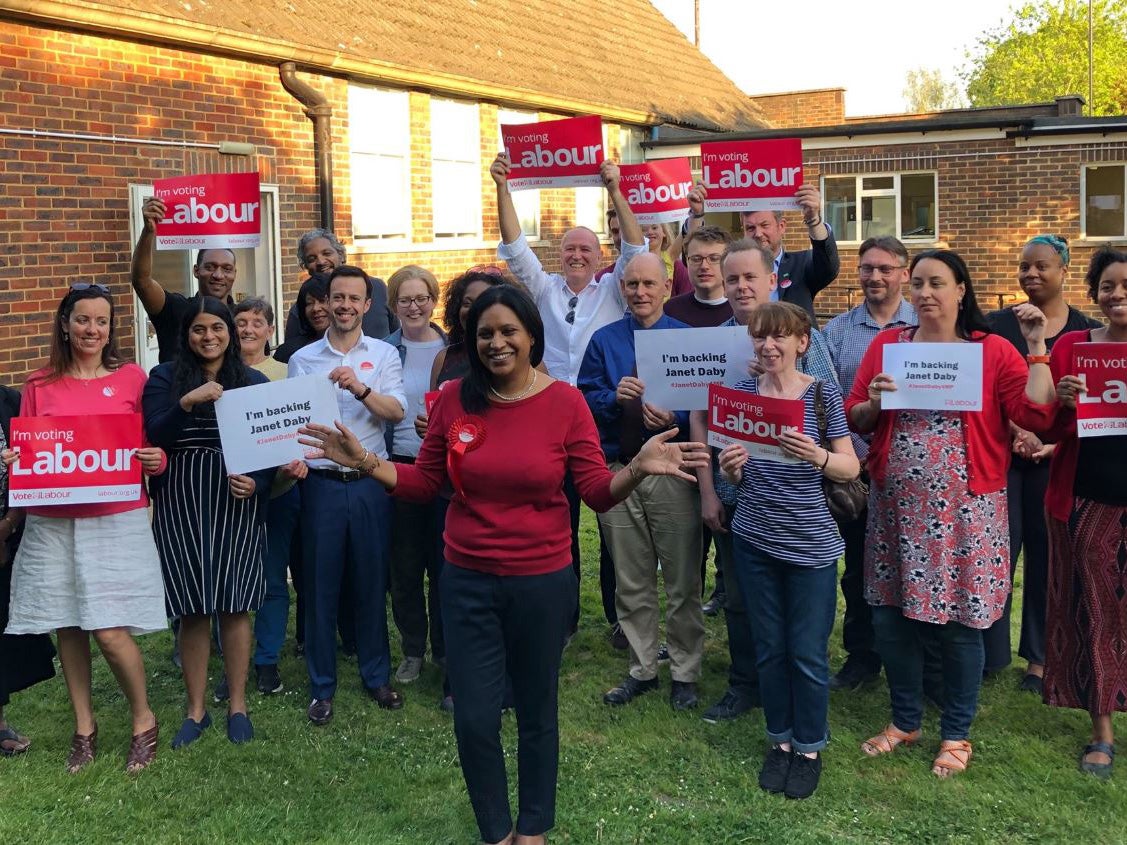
column 935, row 293
column 469, row 296
column 254, row 332
column 208, row 340
column 882, row 275
column 765, row 228
column 503, row 343
column 88, row 327
column 703, row 260
column 320, row 256
column 1041, row 273
column 348, row 302
column 779, row 352
column 579, row 255
column 747, row 283
column 1111, row 294
column 655, row 234
column 413, row 304
column 645, row 286
column 317, row 313
column 216, row 273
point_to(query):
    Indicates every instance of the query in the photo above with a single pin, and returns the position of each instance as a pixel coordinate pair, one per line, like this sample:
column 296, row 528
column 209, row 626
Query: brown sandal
column 82, row 751
column 888, row 739
column 954, row 754
column 142, row 750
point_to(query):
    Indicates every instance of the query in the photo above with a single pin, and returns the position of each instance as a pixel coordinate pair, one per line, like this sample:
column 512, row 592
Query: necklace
column 521, row 395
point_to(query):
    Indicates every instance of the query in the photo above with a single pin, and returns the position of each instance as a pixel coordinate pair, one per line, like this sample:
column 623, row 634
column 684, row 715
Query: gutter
column 317, row 109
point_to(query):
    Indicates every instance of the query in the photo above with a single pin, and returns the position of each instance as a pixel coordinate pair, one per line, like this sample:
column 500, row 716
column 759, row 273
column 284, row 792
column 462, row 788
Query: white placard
column 258, row 424
column 934, row 376
column 677, row 365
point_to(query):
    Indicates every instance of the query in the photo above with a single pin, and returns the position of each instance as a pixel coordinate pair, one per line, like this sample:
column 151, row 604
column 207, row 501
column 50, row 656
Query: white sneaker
column 409, row 670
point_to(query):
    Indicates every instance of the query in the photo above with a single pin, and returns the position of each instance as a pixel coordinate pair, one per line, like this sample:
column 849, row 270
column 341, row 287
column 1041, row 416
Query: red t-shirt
column 514, row 517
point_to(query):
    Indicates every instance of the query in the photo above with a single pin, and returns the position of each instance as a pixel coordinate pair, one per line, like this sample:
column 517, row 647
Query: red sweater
column 986, row 432
column 514, row 519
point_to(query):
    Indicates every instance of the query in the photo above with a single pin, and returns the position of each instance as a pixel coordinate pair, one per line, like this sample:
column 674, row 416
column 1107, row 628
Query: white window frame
column 1084, row 236
column 470, row 159
column 527, row 202
column 601, row 228
column 383, row 144
column 862, row 193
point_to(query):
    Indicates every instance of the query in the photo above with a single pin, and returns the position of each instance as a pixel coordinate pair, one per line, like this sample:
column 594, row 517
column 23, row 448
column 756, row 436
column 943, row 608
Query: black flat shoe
column 628, row 690
column 776, row 767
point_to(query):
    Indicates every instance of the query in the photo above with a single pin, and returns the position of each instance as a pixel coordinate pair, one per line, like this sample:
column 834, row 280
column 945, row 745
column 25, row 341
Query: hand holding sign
column 500, row 168
column 629, row 389
column 150, row 458
column 152, row 212
column 1068, row 389
column 655, row 419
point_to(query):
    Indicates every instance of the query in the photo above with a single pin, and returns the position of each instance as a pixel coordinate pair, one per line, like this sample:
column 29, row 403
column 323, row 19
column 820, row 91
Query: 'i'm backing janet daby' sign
column 210, row 211
column 554, row 154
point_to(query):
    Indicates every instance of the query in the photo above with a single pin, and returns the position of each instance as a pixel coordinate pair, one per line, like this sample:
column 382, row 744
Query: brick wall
column 64, row 202
column 821, row 107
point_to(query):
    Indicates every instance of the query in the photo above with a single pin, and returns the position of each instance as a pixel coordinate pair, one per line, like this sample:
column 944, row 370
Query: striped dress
column 211, row 544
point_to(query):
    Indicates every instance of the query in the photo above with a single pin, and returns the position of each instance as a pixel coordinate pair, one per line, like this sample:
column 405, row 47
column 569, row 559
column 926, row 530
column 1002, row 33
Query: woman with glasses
column 416, row 538
column 91, row 569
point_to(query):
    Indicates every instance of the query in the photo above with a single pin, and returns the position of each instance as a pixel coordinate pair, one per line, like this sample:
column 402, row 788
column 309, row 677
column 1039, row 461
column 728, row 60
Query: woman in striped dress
column 209, row 525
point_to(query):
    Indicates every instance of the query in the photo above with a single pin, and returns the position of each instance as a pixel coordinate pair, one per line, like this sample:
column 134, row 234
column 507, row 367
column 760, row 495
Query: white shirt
column 376, row 364
column 597, row 305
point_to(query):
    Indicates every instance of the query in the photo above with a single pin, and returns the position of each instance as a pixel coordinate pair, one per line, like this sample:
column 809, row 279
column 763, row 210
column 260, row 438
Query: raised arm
column 631, row 230
column 150, row 293
column 506, row 210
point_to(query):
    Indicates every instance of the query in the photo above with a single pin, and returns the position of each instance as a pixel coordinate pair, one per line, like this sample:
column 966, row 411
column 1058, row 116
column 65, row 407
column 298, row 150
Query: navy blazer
column 803, row 274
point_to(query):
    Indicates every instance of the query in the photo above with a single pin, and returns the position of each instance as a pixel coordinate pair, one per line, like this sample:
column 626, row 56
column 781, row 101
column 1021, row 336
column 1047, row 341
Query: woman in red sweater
column 1086, row 506
column 937, row 558
column 91, row 569
column 504, row 437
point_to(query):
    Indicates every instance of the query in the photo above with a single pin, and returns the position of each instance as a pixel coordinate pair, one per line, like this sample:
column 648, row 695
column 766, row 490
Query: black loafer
column 386, row 697
column 628, row 690
column 320, row 711
column 803, row 777
column 683, row 695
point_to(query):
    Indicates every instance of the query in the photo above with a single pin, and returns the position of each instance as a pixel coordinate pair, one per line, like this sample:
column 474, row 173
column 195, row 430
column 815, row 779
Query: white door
column 259, row 272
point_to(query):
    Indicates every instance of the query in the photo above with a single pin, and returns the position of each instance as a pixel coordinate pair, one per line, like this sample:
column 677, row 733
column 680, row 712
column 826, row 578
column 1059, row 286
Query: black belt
column 338, row 474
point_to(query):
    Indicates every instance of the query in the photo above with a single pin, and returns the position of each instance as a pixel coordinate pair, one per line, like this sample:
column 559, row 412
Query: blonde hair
column 405, row 274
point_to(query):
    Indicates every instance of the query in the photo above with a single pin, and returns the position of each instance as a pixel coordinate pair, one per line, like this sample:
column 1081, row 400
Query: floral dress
column 934, row 549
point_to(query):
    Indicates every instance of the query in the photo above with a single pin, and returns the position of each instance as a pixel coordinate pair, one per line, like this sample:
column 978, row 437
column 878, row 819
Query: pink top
column 117, row 393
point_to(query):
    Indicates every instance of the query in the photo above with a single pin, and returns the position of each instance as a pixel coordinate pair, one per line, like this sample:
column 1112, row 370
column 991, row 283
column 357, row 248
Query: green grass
column 641, row 774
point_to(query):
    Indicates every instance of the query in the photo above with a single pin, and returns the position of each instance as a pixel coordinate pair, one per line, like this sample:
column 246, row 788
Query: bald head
column 645, row 264
column 580, row 254
column 645, row 287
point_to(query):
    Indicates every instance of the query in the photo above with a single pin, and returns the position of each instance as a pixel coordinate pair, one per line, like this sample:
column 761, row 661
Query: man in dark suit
column 801, row 275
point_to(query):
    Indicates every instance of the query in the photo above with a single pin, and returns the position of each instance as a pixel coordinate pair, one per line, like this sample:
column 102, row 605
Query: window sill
column 1096, row 242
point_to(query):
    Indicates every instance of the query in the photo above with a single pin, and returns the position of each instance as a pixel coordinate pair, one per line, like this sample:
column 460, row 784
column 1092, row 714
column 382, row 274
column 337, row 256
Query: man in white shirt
column 346, row 516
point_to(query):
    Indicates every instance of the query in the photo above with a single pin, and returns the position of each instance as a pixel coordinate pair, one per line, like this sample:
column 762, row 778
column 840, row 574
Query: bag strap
column 820, row 412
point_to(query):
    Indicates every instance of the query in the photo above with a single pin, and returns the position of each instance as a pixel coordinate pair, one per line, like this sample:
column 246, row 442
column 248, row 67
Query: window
column 455, row 144
column 380, row 157
column 630, row 140
column 899, row 204
column 1103, row 193
column 591, row 203
column 527, row 202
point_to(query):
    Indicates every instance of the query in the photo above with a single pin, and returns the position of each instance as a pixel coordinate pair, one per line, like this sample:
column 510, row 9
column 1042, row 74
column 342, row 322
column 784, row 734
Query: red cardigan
column 986, row 433
column 514, row 519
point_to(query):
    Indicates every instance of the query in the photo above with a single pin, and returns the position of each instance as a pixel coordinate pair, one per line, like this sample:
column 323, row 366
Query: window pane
column 1103, row 201
column 380, row 197
column 841, row 207
column 878, row 217
column 630, row 144
column 917, row 205
column 378, row 120
column 527, row 202
column 591, row 209
column 876, row 183
column 457, row 199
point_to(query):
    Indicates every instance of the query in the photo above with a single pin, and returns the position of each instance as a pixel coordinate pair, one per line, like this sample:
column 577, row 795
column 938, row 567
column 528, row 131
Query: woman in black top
column 1042, row 270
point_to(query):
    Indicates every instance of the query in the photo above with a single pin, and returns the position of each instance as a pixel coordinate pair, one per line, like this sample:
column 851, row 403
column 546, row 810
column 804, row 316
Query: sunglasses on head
column 80, row 286
column 488, row 269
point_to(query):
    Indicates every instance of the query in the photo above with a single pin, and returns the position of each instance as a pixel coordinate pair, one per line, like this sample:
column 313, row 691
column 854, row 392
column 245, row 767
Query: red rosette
column 464, row 435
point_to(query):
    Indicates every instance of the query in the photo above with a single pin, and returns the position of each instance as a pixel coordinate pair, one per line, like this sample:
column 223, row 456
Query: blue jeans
column 791, row 610
column 901, row 642
column 270, row 621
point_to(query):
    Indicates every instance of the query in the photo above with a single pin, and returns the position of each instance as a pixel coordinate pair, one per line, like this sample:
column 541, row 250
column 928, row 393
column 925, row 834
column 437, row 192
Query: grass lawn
column 632, row 775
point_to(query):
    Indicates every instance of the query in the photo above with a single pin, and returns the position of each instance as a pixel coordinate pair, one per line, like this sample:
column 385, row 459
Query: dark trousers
column 1025, row 493
column 743, row 677
column 857, row 627
column 902, row 644
column 608, row 583
column 574, row 503
column 516, row 626
column 415, row 557
column 792, row 614
column 270, row 620
column 345, row 529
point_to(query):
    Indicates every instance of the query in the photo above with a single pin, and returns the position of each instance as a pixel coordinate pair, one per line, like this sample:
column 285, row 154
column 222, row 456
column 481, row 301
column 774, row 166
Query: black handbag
column 846, row 500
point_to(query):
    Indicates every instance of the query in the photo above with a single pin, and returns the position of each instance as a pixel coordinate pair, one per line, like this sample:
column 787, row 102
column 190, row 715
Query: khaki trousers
column 660, row 520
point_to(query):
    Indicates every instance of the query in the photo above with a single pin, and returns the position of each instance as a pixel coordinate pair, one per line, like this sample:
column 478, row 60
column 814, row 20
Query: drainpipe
column 318, row 110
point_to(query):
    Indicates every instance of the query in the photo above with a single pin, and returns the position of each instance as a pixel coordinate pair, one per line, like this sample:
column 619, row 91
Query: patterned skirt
column 1086, row 630
column 933, row 548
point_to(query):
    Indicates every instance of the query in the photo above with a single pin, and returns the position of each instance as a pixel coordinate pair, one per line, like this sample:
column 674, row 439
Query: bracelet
column 696, row 216
column 810, row 224
column 360, row 463
column 1037, row 359
column 363, row 395
column 630, row 468
column 825, row 463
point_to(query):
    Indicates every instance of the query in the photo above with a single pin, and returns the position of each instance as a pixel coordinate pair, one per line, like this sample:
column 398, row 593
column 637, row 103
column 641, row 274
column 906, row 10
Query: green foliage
column 926, row 90
column 1042, row 53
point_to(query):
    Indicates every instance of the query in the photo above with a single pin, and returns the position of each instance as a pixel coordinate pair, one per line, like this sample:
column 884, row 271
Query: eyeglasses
column 408, row 301
column 885, row 269
column 77, row 286
column 697, row 260
column 570, row 318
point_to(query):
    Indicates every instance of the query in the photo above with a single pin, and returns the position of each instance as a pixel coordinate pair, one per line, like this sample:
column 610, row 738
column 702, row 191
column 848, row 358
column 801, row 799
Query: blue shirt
column 781, row 509
column 609, row 357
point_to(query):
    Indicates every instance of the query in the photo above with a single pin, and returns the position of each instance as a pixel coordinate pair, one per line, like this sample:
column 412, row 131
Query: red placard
column 210, row 211
column 555, row 154
column 75, row 460
column 753, row 421
column 1102, row 410
column 658, row 191
column 751, row 175
column 429, row 398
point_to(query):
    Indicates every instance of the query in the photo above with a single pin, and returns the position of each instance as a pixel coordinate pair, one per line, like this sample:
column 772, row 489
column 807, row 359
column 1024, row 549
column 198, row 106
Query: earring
column 66, row 337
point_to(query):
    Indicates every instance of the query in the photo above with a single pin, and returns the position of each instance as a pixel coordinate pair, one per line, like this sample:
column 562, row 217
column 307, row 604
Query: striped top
column 781, row 509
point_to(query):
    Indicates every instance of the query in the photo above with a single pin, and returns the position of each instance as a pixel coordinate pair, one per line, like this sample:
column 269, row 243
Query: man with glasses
column 706, row 305
column 214, row 270
column 882, row 271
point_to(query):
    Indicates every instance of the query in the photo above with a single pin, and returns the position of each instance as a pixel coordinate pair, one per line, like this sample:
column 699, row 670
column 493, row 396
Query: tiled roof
column 591, row 55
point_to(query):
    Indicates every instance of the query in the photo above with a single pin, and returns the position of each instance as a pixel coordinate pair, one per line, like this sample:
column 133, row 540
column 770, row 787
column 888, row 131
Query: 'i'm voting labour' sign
column 555, row 153
column 209, row 211
column 751, row 175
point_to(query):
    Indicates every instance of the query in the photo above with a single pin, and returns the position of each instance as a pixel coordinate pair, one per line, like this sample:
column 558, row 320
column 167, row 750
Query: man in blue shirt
column 651, row 523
